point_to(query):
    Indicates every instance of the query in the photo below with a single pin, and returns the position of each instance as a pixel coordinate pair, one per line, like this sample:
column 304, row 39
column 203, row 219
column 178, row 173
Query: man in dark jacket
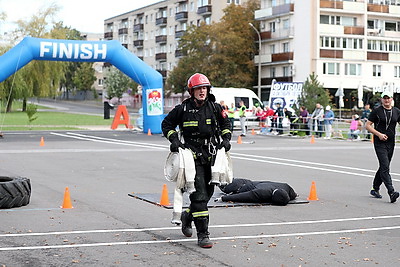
column 205, row 128
column 385, row 119
column 247, row 191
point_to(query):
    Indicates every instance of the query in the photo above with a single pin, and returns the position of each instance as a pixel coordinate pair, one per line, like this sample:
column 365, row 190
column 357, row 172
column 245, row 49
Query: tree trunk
column 24, row 104
column 9, row 104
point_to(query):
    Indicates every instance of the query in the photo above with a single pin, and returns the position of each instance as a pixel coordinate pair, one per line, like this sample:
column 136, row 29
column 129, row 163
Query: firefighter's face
column 200, row 93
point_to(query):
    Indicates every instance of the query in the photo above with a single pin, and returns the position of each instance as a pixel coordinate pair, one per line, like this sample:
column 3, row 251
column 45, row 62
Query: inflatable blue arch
column 93, row 51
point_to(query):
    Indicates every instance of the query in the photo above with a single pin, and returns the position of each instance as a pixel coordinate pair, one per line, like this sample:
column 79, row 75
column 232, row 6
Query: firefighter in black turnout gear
column 204, row 128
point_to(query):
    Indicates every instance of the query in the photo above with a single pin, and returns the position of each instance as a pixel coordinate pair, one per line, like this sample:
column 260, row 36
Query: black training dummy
column 247, row 191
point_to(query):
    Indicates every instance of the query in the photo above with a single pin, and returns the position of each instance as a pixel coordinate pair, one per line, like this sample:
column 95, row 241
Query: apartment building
column 152, row 33
column 351, row 44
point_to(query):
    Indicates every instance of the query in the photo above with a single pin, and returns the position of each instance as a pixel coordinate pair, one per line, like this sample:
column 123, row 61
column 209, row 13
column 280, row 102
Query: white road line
column 192, row 240
column 307, row 162
column 117, row 140
column 114, row 141
column 211, row 226
column 304, row 166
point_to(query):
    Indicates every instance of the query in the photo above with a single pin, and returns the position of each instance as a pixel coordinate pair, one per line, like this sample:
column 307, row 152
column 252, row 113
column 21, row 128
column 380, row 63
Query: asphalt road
column 106, row 227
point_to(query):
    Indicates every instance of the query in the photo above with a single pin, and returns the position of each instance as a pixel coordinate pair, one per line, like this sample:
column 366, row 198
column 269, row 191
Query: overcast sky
column 83, row 15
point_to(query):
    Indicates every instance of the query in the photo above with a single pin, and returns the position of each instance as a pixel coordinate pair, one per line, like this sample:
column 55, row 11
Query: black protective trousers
column 204, row 191
column 384, row 152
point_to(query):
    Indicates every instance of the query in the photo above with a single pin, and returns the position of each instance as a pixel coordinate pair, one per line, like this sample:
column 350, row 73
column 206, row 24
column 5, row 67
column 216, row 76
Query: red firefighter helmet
column 197, row 80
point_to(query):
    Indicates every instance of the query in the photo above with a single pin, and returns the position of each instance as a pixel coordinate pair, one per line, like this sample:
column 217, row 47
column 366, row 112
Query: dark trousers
column 320, row 128
column 384, row 152
column 204, row 191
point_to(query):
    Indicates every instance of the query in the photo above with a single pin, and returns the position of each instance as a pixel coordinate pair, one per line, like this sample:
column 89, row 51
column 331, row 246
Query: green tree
column 117, row 83
column 313, row 92
column 84, row 77
column 42, row 77
column 231, row 64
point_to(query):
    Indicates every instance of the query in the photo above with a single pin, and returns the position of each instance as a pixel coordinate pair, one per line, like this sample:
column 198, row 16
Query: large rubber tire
column 14, row 192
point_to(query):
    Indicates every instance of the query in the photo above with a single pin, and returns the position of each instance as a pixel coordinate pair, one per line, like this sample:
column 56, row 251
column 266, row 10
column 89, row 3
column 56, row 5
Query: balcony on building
column 378, row 56
column 356, row 30
column 161, row 38
column 161, row 56
column 163, row 73
column 161, row 21
column 180, row 1
column 265, row 35
column 331, row 4
column 181, row 16
column 282, row 57
column 204, row 10
column 138, row 43
column 123, row 31
column 108, row 35
column 275, row 11
column 378, row 8
column 179, row 34
column 330, row 53
column 178, row 53
column 138, row 27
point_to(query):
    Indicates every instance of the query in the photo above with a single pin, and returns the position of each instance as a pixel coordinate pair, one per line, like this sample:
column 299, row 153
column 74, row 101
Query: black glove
column 175, row 143
column 226, row 144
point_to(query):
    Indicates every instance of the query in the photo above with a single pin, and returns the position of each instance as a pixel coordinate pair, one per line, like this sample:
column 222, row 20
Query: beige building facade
column 152, row 33
column 350, row 44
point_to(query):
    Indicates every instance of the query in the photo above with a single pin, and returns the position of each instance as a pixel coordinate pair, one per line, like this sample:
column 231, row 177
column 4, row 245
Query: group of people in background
column 318, row 122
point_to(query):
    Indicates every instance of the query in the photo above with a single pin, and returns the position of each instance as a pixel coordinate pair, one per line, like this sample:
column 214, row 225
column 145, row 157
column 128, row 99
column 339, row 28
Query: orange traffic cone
column 239, row 141
column 149, row 132
column 253, row 132
column 67, row 200
column 313, row 192
column 42, row 141
column 312, row 139
column 164, row 201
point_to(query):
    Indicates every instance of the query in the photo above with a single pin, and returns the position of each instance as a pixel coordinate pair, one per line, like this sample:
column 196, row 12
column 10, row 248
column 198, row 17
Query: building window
column 286, row 71
column 285, row 47
column 286, row 24
column 272, row 26
column 272, row 72
column 397, row 71
column 272, row 49
column 377, row 70
column 331, row 68
column 352, row 69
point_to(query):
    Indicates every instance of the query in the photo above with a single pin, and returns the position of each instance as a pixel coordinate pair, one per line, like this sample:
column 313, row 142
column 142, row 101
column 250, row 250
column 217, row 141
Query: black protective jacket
column 202, row 128
column 247, row 191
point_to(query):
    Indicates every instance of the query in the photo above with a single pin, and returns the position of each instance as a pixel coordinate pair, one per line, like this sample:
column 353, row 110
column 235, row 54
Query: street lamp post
column 259, row 60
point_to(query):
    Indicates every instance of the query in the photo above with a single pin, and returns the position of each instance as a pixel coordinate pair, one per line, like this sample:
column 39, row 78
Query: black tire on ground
column 14, row 192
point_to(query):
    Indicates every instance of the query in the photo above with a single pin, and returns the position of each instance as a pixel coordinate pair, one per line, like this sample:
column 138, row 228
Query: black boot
column 201, row 224
column 186, row 219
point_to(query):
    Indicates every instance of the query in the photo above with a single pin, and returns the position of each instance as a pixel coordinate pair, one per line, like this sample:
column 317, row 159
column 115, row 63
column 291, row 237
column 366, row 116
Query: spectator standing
column 384, row 119
column 364, row 118
column 231, row 115
column 242, row 117
column 317, row 119
column 328, row 121
column 293, row 120
column 304, row 116
column 280, row 114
